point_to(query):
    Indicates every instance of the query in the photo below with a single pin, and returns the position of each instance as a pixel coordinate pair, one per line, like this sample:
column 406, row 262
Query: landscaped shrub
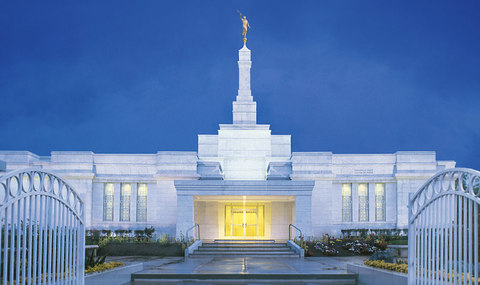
column 103, row 267
column 326, row 248
column 141, row 249
column 398, row 267
column 377, row 232
column 360, row 247
column 329, row 245
column 122, row 232
column 149, row 231
column 385, row 255
column 399, row 242
column 92, row 237
column 91, row 260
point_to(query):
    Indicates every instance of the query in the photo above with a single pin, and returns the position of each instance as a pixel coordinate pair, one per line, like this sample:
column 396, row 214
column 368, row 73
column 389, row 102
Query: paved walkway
column 243, row 265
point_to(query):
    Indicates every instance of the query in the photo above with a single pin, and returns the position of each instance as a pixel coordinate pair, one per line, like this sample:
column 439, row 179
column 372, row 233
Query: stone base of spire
column 244, row 113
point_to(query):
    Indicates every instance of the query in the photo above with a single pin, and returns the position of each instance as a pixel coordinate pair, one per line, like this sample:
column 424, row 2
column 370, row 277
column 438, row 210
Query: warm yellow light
column 346, row 189
column 244, row 220
column 363, row 189
column 126, row 189
column 108, row 188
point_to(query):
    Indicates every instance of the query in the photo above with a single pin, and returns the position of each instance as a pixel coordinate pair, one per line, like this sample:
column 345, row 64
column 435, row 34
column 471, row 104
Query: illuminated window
column 363, row 202
column 380, row 201
column 108, row 202
column 125, row 194
column 347, row 202
column 142, row 203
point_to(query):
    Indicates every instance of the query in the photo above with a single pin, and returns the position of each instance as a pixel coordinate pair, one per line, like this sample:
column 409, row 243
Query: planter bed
column 140, row 249
column 368, row 275
column 337, row 248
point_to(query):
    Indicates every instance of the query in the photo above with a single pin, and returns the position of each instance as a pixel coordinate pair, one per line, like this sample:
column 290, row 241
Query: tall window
column 108, row 202
column 380, row 201
column 347, row 202
column 363, row 202
column 142, row 203
column 125, row 202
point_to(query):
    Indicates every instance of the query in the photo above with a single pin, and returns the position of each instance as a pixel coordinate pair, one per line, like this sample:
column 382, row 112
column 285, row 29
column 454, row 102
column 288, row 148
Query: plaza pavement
column 240, row 265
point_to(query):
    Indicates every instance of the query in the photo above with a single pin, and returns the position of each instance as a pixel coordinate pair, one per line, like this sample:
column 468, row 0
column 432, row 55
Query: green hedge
column 141, row 249
column 399, row 242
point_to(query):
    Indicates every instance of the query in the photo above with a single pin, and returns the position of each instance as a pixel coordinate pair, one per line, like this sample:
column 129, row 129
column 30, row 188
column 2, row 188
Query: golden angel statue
column 246, row 26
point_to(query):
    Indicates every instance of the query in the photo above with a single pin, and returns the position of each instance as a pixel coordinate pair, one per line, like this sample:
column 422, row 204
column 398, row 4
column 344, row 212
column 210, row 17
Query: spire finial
column 246, row 26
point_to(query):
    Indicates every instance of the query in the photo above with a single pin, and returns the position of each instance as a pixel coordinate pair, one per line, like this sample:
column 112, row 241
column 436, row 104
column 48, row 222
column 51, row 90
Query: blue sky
column 144, row 76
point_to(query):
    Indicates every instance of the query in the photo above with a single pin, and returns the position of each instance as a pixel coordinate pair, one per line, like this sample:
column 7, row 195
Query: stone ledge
column 367, row 275
column 119, row 275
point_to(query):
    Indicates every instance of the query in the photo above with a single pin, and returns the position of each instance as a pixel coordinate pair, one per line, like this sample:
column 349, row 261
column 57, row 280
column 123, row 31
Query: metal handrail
column 191, row 228
column 290, row 231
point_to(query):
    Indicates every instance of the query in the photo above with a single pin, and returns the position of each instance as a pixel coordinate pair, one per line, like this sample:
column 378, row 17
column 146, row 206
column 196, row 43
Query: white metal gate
column 42, row 238
column 443, row 229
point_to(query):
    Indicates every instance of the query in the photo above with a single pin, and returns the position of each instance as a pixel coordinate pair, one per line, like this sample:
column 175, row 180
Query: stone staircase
column 239, row 248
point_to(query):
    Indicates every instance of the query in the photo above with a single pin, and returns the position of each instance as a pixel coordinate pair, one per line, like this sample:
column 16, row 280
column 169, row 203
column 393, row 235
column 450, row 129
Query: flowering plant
column 326, row 249
column 359, row 247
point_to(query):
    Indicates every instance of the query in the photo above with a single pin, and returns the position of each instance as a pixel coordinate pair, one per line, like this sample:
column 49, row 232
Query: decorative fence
column 443, row 229
column 42, row 237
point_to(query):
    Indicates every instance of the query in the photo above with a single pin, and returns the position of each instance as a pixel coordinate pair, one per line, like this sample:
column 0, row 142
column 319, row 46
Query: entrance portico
column 233, row 209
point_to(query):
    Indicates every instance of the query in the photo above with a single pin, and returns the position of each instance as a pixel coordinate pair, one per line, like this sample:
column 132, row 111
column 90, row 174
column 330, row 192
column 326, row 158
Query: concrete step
column 263, row 241
column 278, row 278
column 246, row 255
column 226, row 250
column 242, row 252
column 241, row 248
column 244, row 246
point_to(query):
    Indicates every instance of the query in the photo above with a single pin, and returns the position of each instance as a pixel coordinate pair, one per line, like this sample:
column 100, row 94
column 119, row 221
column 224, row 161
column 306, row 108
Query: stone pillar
column 303, row 214
column 244, row 108
column 185, row 215
column 355, row 205
column 133, row 203
column 371, row 203
column 117, row 187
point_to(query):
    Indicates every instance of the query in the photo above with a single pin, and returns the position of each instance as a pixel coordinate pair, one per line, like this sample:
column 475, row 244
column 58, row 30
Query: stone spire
column 244, row 108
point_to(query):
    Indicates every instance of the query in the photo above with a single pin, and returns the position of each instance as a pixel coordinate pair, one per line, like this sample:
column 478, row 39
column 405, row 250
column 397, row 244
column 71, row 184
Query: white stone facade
column 244, row 164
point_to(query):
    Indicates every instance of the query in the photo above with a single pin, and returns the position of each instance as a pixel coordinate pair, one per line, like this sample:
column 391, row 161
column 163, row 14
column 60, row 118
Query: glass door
column 244, row 220
column 237, row 221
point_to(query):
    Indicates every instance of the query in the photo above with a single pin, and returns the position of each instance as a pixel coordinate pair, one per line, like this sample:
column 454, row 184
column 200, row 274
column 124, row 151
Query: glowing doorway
column 244, row 220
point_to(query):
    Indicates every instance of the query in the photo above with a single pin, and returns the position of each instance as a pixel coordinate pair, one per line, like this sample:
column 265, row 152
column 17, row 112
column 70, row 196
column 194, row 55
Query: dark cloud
column 341, row 76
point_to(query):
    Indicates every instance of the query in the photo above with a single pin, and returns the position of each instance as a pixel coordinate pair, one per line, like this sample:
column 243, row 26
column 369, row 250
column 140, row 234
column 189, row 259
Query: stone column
column 371, row 202
column 117, row 187
column 185, row 215
column 303, row 214
column 133, row 203
column 355, row 205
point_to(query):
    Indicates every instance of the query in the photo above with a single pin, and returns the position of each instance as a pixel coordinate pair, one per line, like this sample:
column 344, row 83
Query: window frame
column 363, row 203
column 125, row 200
column 383, row 203
column 347, row 212
column 108, row 202
column 142, row 203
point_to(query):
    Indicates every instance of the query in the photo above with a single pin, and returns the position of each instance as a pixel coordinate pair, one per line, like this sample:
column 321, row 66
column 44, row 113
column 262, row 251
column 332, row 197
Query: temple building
column 242, row 183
